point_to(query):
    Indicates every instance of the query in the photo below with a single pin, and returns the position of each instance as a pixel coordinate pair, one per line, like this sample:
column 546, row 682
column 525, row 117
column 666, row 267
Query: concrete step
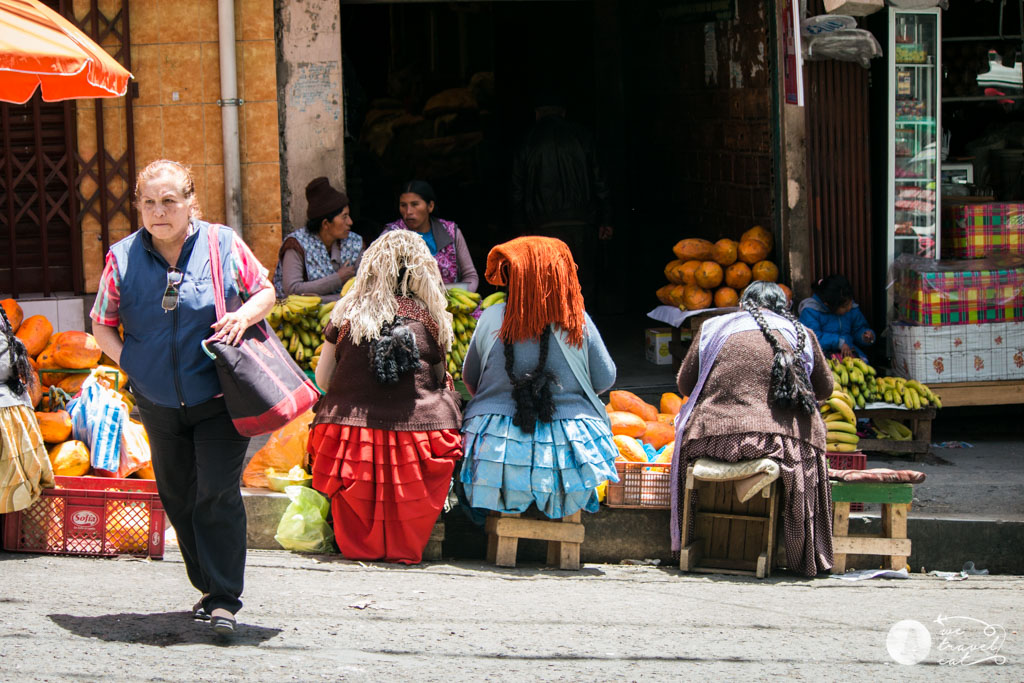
column 616, row 534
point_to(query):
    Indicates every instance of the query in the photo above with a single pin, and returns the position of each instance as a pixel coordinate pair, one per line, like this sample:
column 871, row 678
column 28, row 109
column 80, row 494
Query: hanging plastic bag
column 98, row 415
column 285, row 449
column 847, row 45
column 303, row 526
column 135, row 453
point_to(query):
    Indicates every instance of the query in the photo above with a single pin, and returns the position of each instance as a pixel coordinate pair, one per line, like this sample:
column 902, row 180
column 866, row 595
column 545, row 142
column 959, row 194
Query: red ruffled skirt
column 386, row 488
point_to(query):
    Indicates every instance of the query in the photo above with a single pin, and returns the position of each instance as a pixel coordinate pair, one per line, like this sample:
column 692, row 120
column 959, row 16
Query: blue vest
column 162, row 355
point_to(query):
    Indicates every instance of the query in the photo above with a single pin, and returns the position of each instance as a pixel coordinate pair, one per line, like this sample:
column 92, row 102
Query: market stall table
column 920, row 424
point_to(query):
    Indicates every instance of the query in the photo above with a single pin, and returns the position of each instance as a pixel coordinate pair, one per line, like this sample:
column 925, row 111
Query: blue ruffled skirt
column 558, row 467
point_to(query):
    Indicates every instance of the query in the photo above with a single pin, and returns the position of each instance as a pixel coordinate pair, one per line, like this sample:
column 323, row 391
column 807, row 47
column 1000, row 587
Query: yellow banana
column 841, row 447
column 843, row 409
column 841, row 437
column 832, row 416
column 842, row 396
column 841, row 426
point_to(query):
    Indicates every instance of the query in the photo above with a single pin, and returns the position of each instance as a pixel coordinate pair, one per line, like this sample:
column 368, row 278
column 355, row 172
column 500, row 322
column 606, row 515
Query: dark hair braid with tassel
column 790, row 387
column 532, row 390
column 394, row 352
column 20, row 369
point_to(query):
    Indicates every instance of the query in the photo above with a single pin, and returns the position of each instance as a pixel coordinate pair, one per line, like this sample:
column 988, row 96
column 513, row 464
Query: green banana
column 491, row 299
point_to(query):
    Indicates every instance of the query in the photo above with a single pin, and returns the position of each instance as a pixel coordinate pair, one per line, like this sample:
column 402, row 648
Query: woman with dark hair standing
column 321, row 257
column 24, row 466
column 535, row 431
column 754, row 378
column 444, row 239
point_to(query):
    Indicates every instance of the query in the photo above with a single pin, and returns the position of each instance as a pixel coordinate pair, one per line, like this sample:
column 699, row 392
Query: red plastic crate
column 90, row 516
column 641, row 485
column 848, row 461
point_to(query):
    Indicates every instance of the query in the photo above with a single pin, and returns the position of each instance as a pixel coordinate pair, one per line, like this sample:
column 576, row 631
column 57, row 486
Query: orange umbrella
column 40, row 48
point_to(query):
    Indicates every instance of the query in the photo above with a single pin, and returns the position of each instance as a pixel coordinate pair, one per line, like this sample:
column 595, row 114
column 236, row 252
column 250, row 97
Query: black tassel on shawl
column 394, row 352
column 790, row 387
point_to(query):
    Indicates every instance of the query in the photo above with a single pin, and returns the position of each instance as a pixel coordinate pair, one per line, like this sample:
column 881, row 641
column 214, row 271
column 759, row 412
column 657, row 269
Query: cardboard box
column 959, row 353
column 971, row 231
column 656, row 341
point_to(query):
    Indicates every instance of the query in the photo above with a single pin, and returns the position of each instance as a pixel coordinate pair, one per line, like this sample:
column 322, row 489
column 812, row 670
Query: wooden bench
column 564, row 537
column 729, row 537
column 920, row 426
column 892, row 543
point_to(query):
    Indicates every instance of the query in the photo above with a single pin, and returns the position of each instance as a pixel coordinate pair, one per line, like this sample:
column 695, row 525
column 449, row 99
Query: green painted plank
column 871, row 492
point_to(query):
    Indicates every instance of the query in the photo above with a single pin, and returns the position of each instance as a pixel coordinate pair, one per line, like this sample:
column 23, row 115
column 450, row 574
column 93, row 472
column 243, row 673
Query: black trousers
column 197, row 457
column 581, row 239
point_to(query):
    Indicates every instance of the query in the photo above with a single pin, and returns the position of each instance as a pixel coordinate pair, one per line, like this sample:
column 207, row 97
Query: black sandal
column 199, row 612
column 223, row 626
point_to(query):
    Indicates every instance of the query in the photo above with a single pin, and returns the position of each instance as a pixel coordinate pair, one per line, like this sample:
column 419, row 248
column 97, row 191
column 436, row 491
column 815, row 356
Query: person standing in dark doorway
column 558, row 189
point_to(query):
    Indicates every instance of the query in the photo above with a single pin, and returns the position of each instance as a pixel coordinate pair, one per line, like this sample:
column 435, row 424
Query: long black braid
column 532, row 391
column 20, row 369
column 790, row 388
column 394, row 352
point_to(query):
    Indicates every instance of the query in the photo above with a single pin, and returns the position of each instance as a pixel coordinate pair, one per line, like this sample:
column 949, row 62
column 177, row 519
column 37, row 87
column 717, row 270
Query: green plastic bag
column 303, row 526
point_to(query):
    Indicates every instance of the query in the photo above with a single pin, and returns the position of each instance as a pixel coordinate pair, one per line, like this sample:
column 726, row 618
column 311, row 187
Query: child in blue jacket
column 836, row 319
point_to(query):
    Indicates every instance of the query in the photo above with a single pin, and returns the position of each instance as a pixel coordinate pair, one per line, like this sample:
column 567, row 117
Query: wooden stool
column 729, row 537
column 892, row 542
column 564, row 537
column 432, row 551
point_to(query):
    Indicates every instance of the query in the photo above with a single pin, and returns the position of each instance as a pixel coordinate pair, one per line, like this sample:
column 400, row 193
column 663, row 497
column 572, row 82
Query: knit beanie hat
column 322, row 199
column 542, row 288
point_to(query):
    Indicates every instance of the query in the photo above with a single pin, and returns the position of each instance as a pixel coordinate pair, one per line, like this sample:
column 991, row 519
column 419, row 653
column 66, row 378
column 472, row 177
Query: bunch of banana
column 840, row 423
column 886, row 428
column 856, row 378
column 461, row 305
column 907, row 392
column 299, row 322
column 315, row 358
column 492, row 299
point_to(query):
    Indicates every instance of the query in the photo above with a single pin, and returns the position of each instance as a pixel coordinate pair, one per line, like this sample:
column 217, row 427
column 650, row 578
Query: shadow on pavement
column 160, row 629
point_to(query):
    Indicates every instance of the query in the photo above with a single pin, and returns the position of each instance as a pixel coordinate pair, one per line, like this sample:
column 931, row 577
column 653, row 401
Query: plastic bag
column 285, row 449
column 303, row 525
column 848, row 45
column 135, row 453
column 98, row 416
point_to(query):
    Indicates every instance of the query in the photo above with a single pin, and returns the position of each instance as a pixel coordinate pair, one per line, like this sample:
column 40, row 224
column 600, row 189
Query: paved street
column 310, row 618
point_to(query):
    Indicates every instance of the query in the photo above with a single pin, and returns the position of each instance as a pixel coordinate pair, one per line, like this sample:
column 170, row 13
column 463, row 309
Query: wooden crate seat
column 564, row 537
column 892, row 543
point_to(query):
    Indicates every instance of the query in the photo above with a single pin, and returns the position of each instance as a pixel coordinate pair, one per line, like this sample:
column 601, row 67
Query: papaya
column 70, row 459
column 789, row 293
column 627, row 423
column 673, row 272
column 726, row 297
column 693, row 249
column 35, row 388
column 696, row 298
column 689, row 272
column 73, row 383
column 738, row 275
column 14, row 313
column 631, row 403
column 658, row 434
column 146, row 471
column 55, row 427
column 675, row 295
column 630, row 449
column 664, row 295
column 45, row 361
column 35, row 333
column 752, row 251
column 765, row 271
column 76, row 350
column 111, row 377
column 671, row 403
column 667, row 418
column 725, row 252
column 759, row 233
column 709, row 275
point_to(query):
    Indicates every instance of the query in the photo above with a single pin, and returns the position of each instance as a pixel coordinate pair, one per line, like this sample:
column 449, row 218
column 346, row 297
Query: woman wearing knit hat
column 754, row 379
column 386, row 434
column 447, row 245
column 320, row 258
column 535, row 431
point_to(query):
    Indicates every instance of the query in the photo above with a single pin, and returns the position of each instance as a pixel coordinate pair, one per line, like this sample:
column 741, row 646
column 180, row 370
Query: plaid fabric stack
column 960, row 297
column 971, row 231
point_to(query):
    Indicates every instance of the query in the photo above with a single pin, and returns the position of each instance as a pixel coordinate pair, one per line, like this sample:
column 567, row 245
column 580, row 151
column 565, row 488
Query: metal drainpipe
column 229, row 104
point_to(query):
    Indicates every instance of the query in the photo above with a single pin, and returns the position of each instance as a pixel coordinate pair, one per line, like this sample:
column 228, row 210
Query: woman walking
column 157, row 284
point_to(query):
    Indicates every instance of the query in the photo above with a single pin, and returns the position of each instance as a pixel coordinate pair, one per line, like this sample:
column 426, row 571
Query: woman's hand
column 346, row 273
column 845, row 350
column 868, row 337
column 231, row 328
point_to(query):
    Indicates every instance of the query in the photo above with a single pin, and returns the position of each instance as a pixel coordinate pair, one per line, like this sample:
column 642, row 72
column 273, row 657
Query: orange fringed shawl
column 542, row 288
